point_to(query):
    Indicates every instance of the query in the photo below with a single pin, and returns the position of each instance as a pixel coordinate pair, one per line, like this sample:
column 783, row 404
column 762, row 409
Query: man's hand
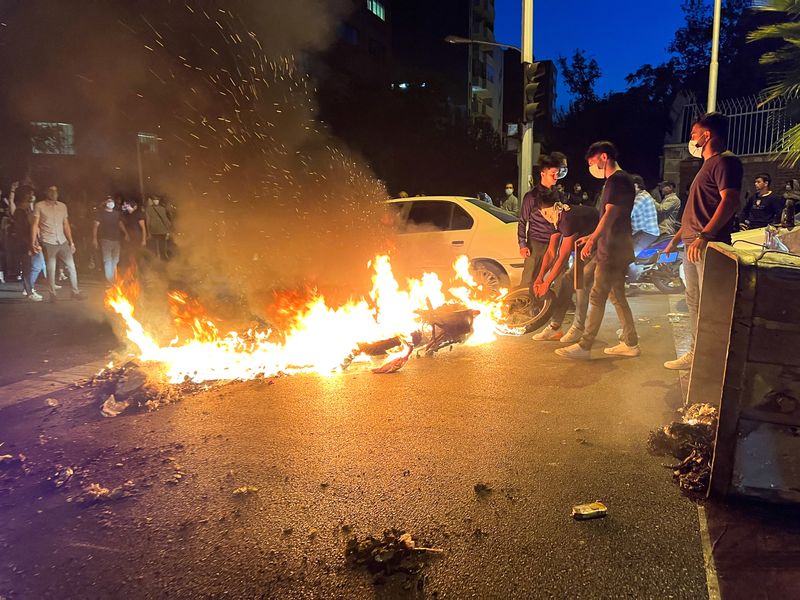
column 540, row 288
column 72, row 247
column 743, row 227
column 144, row 242
column 695, row 250
column 35, row 249
column 587, row 242
column 127, row 238
column 524, row 252
column 95, row 244
column 14, row 186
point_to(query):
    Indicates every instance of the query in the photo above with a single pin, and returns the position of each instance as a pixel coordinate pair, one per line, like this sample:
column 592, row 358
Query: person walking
column 134, row 221
column 570, row 223
column 533, row 231
column 714, row 198
column 159, row 226
column 107, row 233
column 613, row 243
column 32, row 263
column 511, row 202
column 50, row 231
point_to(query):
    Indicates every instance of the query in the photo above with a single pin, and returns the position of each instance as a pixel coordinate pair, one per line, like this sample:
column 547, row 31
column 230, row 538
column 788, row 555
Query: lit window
column 52, row 138
column 148, row 142
column 377, row 9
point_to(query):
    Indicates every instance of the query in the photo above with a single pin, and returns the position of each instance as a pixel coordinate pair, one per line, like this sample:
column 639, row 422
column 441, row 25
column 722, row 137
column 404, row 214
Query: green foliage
column 580, row 75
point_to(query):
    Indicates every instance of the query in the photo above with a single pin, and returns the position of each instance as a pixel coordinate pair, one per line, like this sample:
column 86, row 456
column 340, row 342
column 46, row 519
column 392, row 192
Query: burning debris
column 394, row 554
column 95, row 493
column 690, row 440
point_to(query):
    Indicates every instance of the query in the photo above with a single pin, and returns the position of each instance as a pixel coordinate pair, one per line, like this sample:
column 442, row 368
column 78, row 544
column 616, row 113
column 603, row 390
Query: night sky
column 622, row 35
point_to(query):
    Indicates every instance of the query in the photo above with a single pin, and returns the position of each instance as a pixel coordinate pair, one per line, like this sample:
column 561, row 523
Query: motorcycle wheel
column 668, row 283
column 522, row 310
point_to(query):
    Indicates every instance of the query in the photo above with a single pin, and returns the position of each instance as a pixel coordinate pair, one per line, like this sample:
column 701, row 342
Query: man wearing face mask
column 533, row 230
column 158, row 225
column 714, row 198
column 613, row 242
column 511, row 203
column 106, row 235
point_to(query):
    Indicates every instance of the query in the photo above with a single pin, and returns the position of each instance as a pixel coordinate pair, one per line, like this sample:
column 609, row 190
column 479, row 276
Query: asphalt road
column 364, row 452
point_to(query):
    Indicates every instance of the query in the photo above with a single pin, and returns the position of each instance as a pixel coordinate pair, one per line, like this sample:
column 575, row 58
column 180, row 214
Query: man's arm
column 35, row 233
column 610, row 216
column 727, row 207
column 95, row 227
column 522, row 226
column 549, row 256
column 123, row 230
column 144, row 231
column 563, row 259
column 68, row 233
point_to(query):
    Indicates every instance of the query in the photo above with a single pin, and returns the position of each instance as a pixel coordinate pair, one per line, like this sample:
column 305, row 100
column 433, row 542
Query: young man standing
column 50, row 231
column 107, row 234
column 614, row 252
column 533, row 231
column 570, row 224
column 668, row 209
column 511, row 203
column 714, row 198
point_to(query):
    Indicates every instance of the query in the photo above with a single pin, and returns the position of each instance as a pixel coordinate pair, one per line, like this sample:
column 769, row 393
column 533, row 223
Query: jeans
column 32, row 267
column 109, row 249
column 564, row 296
column 53, row 252
column 533, row 263
column 609, row 281
column 693, row 273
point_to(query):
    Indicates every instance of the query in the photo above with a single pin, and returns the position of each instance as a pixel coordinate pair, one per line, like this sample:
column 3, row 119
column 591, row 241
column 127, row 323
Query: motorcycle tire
column 669, row 286
column 522, row 310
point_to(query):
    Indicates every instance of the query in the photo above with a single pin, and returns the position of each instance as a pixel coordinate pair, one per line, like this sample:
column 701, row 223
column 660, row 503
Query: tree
column 784, row 64
column 580, row 75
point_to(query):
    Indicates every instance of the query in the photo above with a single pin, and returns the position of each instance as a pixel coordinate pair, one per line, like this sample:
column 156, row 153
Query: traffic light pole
column 526, row 141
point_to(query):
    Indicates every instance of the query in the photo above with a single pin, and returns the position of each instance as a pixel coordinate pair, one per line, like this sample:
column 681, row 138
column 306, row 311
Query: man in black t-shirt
column 533, row 232
column 714, row 198
column 614, row 252
column 569, row 223
column 764, row 207
column 134, row 221
column 106, row 235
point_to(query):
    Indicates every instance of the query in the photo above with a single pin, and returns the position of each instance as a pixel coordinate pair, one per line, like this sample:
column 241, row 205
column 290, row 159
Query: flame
column 315, row 337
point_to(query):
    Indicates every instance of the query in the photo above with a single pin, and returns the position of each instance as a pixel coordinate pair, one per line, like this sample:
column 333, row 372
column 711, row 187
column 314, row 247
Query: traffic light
column 539, row 91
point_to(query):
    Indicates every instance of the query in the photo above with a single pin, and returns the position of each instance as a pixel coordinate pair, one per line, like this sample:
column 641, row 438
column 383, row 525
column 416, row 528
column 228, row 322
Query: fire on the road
column 318, row 338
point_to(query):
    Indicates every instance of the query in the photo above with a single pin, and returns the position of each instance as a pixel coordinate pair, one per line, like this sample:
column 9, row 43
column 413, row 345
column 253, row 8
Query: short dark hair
column 559, row 156
column 669, row 184
column 638, row 180
column 765, row 176
column 602, row 147
column 716, row 123
column 548, row 161
column 547, row 199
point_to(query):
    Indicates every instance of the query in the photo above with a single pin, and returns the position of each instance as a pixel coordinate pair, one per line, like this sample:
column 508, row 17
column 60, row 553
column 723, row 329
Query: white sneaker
column 574, row 352
column 622, row 349
column 548, row 334
column 34, row 297
column 24, row 293
column 2, row 278
column 573, row 335
column 682, row 363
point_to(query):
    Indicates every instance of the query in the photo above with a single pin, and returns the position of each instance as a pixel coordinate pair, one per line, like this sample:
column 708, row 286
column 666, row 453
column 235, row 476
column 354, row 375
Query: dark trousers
column 533, row 263
column 609, row 282
column 158, row 244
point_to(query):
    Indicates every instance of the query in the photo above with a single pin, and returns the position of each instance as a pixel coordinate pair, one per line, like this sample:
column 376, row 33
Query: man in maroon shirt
column 710, row 210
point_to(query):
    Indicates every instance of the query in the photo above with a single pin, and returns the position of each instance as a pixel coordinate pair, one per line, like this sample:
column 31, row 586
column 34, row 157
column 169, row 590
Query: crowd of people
column 605, row 237
column 43, row 237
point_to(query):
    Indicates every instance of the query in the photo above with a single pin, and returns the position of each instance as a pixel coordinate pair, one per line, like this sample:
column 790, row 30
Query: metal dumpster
column 747, row 362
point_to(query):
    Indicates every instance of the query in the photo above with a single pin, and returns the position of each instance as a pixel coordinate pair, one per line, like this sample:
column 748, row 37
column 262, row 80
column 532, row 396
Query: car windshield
column 504, row 216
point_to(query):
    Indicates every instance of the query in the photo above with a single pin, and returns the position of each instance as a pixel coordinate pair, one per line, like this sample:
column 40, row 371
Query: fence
column 754, row 129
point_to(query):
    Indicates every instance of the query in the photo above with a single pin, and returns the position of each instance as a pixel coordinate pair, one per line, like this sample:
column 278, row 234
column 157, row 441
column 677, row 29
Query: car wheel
column 490, row 276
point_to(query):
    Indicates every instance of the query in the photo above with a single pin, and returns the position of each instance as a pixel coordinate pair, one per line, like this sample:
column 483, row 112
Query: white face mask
column 597, row 171
column 110, row 205
column 695, row 149
column 509, row 192
column 562, row 172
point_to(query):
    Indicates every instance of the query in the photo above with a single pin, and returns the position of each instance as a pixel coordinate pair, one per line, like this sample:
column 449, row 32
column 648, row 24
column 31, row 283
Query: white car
column 434, row 230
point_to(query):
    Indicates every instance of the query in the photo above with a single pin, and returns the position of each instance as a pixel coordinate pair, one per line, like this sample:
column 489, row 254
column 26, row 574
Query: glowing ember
column 318, row 338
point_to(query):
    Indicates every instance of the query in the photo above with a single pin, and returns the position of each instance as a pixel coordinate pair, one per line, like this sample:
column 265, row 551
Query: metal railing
column 754, row 129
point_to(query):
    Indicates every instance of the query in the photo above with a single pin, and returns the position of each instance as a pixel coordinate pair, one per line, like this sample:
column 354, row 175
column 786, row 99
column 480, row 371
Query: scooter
column 661, row 269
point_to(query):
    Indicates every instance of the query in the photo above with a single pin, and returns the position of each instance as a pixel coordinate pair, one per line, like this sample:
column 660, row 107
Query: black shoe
column 78, row 296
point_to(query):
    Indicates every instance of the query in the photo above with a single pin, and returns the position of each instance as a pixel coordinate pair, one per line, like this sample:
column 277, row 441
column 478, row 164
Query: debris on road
column 245, row 490
column 52, row 402
column 395, row 361
column 395, row 553
column 112, row 407
column 483, row 489
column 94, row 493
column 62, row 476
column 593, row 510
column 690, row 440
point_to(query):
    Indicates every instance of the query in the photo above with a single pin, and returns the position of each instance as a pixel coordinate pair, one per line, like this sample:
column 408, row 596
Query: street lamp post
column 713, row 70
column 526, row 140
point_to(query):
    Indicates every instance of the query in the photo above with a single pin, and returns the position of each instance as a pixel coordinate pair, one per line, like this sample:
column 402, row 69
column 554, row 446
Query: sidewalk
column 754, row 547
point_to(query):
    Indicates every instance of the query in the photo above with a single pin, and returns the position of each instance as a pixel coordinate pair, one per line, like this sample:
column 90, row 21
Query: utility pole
column 713, row 70
column 526, row 139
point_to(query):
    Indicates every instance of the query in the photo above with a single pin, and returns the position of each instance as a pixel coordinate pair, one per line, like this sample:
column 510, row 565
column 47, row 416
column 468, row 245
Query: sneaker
column 572, row 336
column 548, row 334
column 56, row 286
column 622, row 349
column 2, row 278
column 78, row 296
column 24, row 292
column 34, row 297
column 682, row 363
column 574, row 352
